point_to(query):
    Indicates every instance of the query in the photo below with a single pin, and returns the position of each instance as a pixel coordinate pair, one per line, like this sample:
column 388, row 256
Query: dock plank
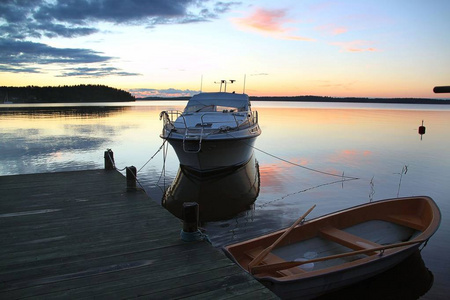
column 82, row 235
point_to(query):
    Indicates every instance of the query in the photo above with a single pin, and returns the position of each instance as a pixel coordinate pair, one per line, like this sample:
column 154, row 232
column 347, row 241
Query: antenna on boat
column 223, row 81
column 243, row 90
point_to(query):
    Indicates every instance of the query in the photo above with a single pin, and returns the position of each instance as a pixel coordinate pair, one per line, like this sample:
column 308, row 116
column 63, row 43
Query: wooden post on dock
column 109, row 160
column 131, row 178
column 190, row 216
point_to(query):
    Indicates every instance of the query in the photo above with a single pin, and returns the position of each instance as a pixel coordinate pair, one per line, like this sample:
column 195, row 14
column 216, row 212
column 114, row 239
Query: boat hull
column 313, row 287
column 214, row 154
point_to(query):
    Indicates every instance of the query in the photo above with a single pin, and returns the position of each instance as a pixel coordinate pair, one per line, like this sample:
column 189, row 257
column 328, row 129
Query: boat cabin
column 218, row 102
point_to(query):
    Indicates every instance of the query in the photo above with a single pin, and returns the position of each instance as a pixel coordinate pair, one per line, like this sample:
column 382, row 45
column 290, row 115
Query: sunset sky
column 354, row 48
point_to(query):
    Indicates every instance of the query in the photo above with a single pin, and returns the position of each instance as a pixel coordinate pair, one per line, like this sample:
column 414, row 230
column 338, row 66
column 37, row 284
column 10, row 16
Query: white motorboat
column 215, row 131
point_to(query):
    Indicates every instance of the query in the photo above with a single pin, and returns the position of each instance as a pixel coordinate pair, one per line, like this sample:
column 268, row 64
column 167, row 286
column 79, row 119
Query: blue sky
column 310, row 47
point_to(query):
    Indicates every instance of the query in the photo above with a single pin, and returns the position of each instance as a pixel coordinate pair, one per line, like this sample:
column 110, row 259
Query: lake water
column 308, row 154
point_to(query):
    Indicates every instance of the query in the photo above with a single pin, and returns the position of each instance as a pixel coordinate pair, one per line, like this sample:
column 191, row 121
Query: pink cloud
column 339, row 30
column 266, row 20
column 355, row 46
column 271, row 22
column 332, row 29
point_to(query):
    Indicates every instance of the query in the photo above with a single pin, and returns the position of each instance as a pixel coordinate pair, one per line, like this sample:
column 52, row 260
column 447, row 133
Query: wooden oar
column 266, row 251
column 291, row 264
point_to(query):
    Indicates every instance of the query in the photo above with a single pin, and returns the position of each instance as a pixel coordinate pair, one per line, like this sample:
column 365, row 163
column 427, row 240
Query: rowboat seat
column 271, row 259
column 406, row 220
column 347, row 239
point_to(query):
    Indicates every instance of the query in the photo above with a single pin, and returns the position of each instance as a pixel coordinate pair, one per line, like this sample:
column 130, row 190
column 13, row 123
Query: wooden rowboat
column 339, row 249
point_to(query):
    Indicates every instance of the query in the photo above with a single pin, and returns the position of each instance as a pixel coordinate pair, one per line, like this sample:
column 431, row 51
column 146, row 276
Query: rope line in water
column 307, row 168
column 295, row 164
column 303, row 191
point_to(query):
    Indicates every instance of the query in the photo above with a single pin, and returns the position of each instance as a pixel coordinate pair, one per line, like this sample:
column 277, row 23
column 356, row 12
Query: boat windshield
column 217, row 102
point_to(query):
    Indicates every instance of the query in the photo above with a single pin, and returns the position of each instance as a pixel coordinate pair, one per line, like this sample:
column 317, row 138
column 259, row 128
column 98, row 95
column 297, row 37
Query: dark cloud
column 23, row 56
column 95, row 72
column 223, row 7
column 54, row 30
column 21, row 20
column 116, row 11
column 16, row 53
column 10, row 69
column 71, row 18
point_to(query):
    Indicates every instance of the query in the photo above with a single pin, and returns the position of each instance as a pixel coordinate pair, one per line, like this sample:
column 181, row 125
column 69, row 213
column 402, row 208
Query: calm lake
column 308, row 153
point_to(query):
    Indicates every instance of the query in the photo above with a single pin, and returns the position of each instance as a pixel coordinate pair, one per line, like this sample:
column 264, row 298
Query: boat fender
column 194, row 236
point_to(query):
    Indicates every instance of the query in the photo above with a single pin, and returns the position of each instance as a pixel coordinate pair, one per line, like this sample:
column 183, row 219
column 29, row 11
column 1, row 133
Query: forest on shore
column 101, row 93
column 64, row 94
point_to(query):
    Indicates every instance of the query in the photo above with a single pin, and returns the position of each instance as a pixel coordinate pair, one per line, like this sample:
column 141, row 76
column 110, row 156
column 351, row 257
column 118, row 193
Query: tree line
column 64, row 94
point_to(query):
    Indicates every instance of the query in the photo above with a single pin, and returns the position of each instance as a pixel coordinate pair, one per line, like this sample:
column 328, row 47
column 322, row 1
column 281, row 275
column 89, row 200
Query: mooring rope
column 295, row 164
column 303, row 191
column 307, row 168
column 163, row 170
column 135, row 175
column 153, row 155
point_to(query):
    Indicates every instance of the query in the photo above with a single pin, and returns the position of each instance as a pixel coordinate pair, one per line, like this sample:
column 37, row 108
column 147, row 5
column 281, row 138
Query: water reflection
column 56, row 138
column 410, row 279
column 63, row 111
column 220, row 196
column 371, row 142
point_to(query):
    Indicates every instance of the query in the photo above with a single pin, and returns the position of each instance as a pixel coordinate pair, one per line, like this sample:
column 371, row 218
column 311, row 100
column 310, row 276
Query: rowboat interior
column 340, row 240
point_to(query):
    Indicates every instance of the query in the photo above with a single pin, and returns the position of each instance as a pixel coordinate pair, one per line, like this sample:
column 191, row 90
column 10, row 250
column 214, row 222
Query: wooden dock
column 75, row 235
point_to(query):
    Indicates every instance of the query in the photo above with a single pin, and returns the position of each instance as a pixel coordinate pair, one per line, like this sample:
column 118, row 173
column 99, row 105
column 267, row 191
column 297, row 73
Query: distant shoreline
column 323, row 99
column 101, row 93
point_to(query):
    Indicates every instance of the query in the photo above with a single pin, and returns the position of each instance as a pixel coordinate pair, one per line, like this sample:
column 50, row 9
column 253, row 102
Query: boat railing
column 169, row 117
column 254, row 117
column 194, row 134
column 174, row 114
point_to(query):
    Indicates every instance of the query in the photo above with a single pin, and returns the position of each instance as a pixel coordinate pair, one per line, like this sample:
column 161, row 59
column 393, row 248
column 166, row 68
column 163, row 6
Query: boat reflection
column 410, row 279
column 220, row 196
